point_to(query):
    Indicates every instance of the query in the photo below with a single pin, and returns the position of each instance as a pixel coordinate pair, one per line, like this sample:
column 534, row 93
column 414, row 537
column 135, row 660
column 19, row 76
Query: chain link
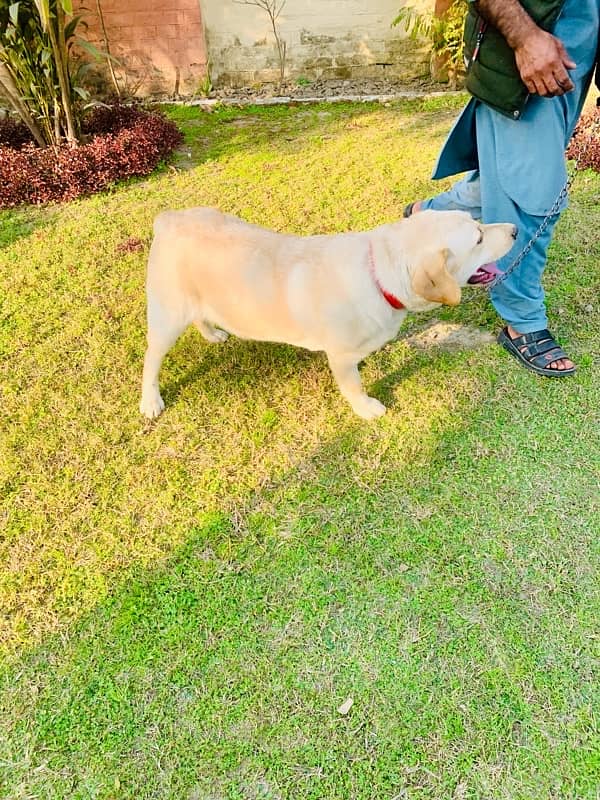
column 546, row 221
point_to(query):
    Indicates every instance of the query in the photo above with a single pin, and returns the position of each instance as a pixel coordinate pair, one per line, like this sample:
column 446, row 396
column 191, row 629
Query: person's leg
column 520, row 299
column 464, row 195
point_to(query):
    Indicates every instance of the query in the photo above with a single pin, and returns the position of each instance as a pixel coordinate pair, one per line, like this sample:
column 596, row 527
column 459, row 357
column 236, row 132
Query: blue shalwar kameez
column 516, row 168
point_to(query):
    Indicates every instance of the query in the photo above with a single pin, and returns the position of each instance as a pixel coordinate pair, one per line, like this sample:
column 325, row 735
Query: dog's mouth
column 484, row 275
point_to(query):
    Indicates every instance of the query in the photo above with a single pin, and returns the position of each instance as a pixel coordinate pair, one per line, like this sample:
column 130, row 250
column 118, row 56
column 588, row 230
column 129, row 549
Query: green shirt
column 492, row 74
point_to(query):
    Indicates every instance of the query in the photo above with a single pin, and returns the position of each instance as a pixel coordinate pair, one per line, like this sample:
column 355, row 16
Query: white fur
column 318, row 292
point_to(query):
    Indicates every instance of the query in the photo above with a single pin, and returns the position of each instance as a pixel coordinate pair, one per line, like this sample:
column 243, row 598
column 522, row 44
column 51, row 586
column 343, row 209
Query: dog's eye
column 480, row 240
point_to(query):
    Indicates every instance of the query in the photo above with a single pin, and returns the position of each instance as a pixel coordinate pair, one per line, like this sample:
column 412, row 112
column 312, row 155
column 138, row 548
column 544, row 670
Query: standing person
column 530, row 65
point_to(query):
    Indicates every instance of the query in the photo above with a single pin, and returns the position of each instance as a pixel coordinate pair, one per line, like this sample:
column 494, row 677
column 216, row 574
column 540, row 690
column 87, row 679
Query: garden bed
column 119, row 142
column 585, row 144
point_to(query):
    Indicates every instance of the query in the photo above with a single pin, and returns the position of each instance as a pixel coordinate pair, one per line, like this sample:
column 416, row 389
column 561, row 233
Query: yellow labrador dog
column 345, row 294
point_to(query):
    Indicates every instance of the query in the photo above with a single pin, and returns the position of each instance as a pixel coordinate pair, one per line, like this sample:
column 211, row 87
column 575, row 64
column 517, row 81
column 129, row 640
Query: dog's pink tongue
column 485, row 274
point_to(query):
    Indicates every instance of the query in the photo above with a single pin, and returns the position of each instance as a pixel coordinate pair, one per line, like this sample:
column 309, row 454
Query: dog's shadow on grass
column 238, row 364
column 383, row 389
column 223, row 368
column 22, row 222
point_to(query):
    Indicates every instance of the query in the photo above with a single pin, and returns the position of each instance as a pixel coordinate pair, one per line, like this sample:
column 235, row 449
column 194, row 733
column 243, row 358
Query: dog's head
column 449, row 250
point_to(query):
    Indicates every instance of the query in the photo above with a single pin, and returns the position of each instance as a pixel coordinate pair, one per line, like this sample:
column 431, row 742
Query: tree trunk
column 60, row 57
column 8, row 88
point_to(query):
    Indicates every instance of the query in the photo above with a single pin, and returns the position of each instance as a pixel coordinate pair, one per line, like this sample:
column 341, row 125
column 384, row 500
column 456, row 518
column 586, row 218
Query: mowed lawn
column 186, row 604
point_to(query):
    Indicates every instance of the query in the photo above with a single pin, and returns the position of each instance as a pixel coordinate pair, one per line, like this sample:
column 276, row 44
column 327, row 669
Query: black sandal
column 540, row 348
column 408, row 210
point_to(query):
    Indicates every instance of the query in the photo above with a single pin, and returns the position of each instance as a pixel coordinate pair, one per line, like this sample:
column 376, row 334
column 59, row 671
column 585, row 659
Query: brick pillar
column 159, row 44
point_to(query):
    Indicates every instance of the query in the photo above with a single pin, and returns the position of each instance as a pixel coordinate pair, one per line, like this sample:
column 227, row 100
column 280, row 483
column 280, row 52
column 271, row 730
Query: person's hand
column 543, row 62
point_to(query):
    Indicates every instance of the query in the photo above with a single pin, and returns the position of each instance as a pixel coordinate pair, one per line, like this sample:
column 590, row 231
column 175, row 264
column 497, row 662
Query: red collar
column 391, row 298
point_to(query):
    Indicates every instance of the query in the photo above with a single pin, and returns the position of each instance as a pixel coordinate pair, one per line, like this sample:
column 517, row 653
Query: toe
column 562, row 364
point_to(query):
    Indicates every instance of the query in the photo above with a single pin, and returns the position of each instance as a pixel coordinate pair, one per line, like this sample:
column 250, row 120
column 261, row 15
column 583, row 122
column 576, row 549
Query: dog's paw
column 369, row 407
column 153, row 406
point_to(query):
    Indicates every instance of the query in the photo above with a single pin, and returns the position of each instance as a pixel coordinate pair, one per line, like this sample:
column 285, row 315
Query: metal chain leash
column 556, row 206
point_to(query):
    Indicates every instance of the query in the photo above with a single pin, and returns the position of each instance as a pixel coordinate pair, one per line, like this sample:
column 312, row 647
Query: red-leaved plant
column 123, row 142
column 585, row 144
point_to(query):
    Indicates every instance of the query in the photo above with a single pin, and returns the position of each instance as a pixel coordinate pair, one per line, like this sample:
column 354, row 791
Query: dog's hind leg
column 210, row 333
column 164, row 328
column 345, row 371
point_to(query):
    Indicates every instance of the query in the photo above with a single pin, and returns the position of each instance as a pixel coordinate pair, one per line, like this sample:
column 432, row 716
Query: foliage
column 38, row 75
column 13, row 133
column 205, row 85
column 125, row 143
column 444, row 33
column 585, row 144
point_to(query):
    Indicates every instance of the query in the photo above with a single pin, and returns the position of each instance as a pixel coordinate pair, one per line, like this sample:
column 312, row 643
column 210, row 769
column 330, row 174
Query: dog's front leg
column 345, row 371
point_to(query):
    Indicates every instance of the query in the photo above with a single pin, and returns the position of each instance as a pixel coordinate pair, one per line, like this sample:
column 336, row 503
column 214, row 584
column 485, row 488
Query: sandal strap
column 534, row 336
column 540, row 348
column 543, row 359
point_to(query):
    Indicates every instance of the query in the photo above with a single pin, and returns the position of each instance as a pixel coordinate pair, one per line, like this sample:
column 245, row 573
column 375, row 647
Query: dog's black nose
column 515, row 232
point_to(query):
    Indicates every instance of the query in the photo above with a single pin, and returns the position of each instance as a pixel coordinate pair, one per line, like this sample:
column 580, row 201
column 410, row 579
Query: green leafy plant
column 444, row 34
column 38, row 75
column 205, row 86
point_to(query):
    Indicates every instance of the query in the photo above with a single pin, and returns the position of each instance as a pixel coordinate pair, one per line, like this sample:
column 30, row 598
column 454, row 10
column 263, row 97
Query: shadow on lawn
column 219, row 671
column 250, row 597
column 210, row 136
column 263, row 365
column 17, row 223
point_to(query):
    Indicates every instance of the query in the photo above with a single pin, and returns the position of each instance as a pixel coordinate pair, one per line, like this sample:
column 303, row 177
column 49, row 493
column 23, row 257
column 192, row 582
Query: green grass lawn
column 185, row 604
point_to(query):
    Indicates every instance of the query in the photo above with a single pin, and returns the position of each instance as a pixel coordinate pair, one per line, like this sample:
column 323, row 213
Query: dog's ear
column 432, row 280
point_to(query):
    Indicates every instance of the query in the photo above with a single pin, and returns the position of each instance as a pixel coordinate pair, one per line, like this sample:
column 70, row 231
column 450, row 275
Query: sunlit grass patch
column 185, row 604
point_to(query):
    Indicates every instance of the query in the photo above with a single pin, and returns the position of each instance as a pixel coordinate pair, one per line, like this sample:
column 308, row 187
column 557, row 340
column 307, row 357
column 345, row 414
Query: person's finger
column 553, row 87
column 565, row 84
column 561, row 74
column 564, row 56
column 540, row 86
column 531, row 86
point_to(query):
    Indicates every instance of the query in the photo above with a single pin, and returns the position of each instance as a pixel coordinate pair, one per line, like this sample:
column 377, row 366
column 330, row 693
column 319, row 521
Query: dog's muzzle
column 484, row 275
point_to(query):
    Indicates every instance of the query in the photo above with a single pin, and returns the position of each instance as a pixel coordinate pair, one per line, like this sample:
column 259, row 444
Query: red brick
column 140, row 18
column 128, row 34
column 192, row 31
column 190, row 17
column 161, row 32
column 171, row 31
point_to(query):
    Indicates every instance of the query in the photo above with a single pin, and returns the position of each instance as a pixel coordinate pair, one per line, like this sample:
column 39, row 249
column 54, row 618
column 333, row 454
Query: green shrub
column 38, row 75
column 444, row 34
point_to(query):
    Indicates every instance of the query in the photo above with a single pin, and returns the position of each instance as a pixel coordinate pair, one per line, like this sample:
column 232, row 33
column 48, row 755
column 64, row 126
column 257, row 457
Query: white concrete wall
column 325, row 38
